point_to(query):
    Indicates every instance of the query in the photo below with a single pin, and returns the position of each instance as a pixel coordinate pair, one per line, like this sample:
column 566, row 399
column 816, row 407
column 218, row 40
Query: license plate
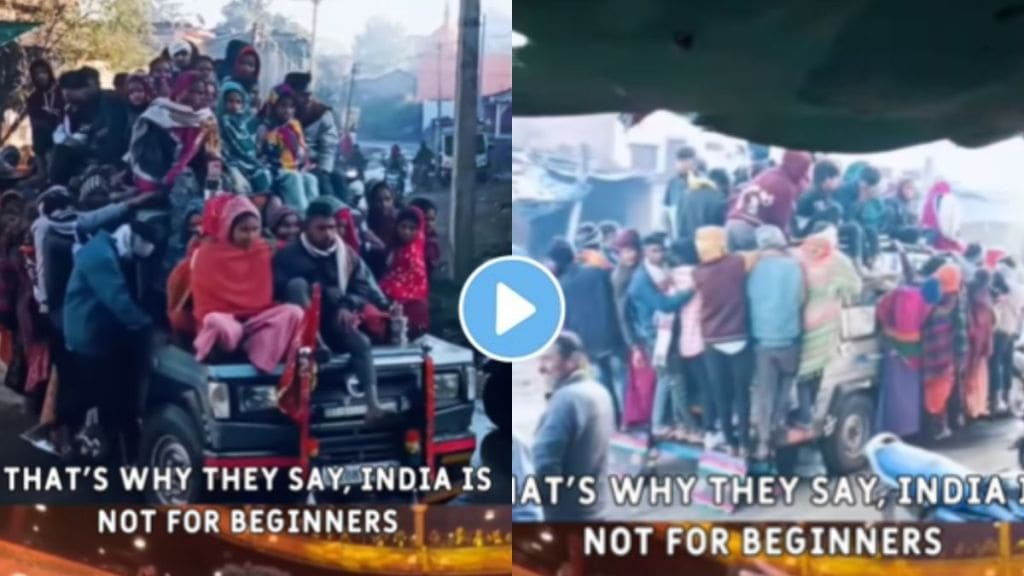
column 356, row 409
column 353, row 473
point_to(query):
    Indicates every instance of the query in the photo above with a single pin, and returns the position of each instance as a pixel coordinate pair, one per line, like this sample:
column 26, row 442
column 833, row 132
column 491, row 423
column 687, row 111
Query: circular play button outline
column 533, row 264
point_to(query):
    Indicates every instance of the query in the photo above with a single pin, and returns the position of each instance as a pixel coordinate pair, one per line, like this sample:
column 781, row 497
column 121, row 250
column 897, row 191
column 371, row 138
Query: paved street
column 984, row 447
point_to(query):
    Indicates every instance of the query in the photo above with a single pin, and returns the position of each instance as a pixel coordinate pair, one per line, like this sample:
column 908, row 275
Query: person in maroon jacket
column 720, row 280
column 784, row 184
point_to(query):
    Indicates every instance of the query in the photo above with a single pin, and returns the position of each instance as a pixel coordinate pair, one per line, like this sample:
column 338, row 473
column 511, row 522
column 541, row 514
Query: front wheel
column 170, row 440
column 844, row 449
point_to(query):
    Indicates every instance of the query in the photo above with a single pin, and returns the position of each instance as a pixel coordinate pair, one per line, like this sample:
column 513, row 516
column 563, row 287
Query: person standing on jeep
column 106, row 330
column 320, row 257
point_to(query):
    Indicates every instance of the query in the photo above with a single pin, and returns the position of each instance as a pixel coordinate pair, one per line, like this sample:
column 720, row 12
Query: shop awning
column 12, row 30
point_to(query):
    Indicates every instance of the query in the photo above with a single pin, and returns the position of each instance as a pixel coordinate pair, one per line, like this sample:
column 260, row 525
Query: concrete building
column 436, row 73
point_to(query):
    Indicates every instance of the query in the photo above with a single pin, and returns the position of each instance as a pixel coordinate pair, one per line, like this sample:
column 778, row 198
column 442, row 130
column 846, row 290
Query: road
column 16, row 452
column 984, row 447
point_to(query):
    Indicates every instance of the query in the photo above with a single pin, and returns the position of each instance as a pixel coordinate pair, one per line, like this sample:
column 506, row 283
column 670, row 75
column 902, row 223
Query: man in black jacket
column 320, row 257
column 591, row 312
column 95, row 129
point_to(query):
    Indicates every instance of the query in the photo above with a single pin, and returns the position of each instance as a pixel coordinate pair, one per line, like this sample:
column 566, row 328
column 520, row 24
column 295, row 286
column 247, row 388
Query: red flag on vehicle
column 297, row 382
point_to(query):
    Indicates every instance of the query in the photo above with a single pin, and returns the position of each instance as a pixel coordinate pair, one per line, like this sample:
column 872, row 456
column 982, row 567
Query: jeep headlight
column 256, row 398
column 219, row 397
column 447, row 386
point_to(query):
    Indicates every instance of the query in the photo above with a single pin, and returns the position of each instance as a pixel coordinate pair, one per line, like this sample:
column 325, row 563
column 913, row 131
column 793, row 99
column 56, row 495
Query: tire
column 170, row 440
column 844, row 449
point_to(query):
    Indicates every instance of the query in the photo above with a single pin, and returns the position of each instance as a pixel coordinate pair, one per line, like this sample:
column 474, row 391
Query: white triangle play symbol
column 512, row 309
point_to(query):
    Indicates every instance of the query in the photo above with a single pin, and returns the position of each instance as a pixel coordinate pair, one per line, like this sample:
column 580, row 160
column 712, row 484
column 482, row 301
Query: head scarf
column 350, row 232
column 949, row 278
column 179, row 46
column 184, row 83
column 235, row 69
column 212, row 211
column 276, row 216
column 278, row 92
column 236, row 130
column 770, row 238
column 229, row 279
column 712, row 243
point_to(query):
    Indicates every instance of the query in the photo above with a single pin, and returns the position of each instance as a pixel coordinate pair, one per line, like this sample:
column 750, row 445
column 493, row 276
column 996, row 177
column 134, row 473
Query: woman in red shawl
column 406, row 279
column 981, row 327
column 939, row 218
column 233, row 288
column 348, row 230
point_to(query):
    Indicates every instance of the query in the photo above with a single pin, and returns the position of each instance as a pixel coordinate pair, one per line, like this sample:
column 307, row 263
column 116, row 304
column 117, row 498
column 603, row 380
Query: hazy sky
column 341, row 20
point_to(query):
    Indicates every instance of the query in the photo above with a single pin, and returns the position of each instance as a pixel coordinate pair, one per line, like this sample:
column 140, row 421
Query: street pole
column 312, row 38
column 439, row 140
column 480, row 66
column 348, row 100
column 463, row 193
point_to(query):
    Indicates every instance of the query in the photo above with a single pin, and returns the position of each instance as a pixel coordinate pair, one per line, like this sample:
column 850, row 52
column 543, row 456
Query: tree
column 382, row 46
column 111, row 31
column 241, row 15
column 114, row 32
column 165, row 11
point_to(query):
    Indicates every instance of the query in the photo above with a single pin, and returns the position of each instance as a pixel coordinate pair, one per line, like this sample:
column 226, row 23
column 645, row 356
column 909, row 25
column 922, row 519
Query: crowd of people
column 716, row 330
column 183, row 203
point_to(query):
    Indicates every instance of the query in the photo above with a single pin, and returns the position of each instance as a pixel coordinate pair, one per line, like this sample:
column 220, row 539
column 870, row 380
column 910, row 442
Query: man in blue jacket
column 106, row 329
column 591, row 313
column 649, row 299
column 775, row 294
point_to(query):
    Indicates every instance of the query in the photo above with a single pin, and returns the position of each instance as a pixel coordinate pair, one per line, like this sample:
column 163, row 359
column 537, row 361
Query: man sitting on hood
column 320, row 125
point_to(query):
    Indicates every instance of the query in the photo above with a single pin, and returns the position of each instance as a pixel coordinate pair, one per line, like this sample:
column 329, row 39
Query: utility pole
column 312, row 36
column 480, row 66
column 348, row 102
column 463, row 193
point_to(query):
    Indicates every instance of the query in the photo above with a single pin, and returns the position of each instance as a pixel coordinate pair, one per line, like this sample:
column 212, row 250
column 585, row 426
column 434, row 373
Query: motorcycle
column 422, row 176
column 891, row 459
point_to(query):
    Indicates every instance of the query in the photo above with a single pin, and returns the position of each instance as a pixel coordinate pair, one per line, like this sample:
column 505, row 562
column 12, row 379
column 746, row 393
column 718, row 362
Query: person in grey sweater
column 320, row 126
column 575, row 431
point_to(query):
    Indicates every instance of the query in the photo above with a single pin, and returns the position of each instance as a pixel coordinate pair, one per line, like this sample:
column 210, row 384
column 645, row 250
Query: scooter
column 891, row 459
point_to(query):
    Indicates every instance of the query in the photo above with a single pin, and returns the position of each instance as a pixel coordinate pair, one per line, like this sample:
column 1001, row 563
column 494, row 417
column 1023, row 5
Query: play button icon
column 511, row 308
